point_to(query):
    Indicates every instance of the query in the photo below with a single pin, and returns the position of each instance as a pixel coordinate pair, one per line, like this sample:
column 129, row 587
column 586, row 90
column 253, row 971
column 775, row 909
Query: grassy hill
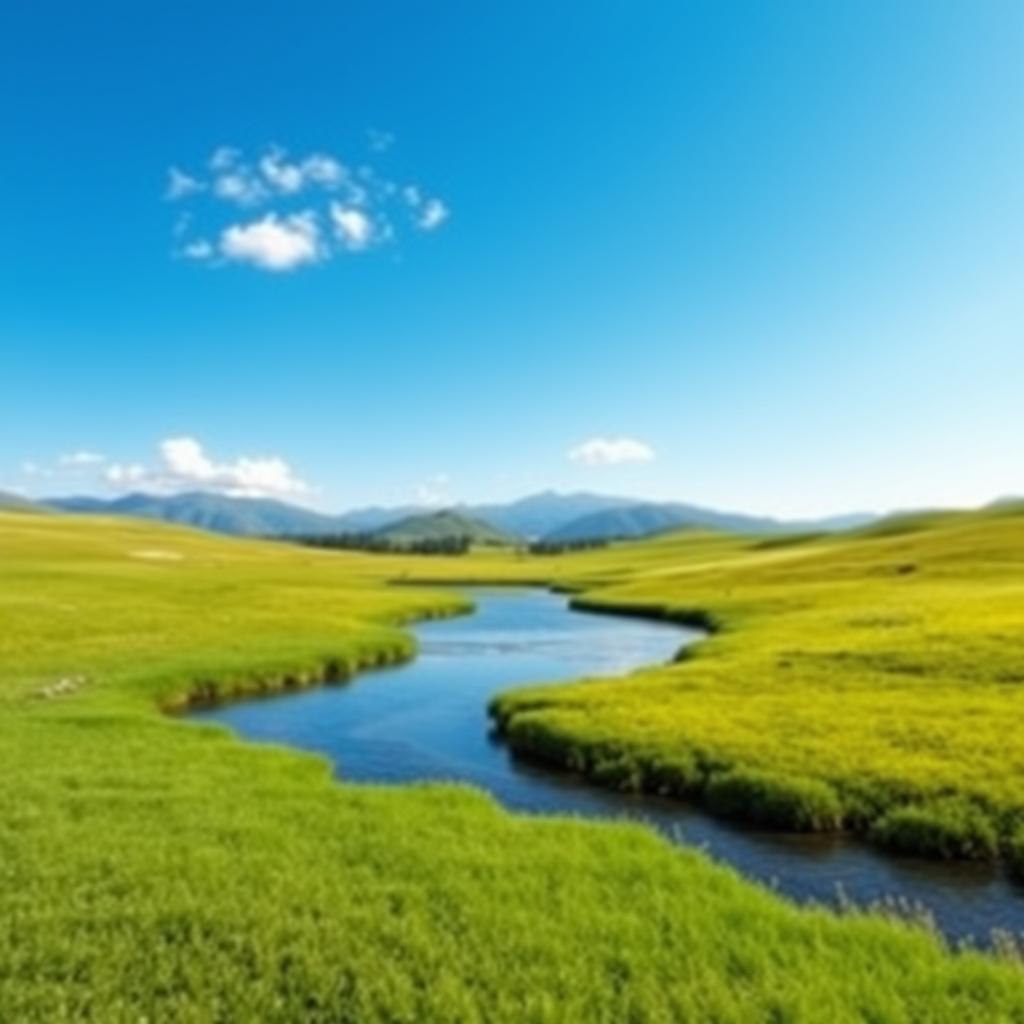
column 649, row 518
column 155, row 869
column 220, row 513
column 16, row 503
column 443, row 525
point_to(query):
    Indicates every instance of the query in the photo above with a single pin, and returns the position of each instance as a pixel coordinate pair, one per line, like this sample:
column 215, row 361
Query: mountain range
column 246, row 517
column 549, row 516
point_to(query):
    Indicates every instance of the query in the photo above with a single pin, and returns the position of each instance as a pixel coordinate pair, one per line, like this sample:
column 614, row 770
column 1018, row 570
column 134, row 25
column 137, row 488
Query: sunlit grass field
column 872, row 681
column 155, row 870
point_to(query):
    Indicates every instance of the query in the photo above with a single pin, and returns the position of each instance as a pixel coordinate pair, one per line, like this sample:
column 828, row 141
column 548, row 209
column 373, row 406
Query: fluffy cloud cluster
column 184, row 465
column 611, row 451
column 294, row 211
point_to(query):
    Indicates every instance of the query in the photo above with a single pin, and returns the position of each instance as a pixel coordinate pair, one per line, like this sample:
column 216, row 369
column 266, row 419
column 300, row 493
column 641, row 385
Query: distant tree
column 375, row 544
column 561, row 547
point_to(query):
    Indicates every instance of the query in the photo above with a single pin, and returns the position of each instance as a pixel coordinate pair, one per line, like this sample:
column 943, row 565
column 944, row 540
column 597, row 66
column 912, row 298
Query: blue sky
column 758, row 255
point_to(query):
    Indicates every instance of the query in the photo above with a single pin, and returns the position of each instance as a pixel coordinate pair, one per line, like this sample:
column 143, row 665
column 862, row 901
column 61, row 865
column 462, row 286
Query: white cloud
column 125, row 476
column 33, row 469
column 73, row 460
column 240, row 186
column 285, row 177
column 351, row 226
column 429, row 214
column 433, row 214
column 180, row 184
column 224, row 157
column 184, row 465
column 323, row 170
column 273, row 243
column 436, row 492
column 314, row 208
column 611, row 451
column 315, row 169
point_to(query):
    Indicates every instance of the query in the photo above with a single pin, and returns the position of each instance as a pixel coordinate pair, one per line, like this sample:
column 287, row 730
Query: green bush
column 676, row 774
column 530, row 735
column 783, row 801
column 946, row 828
column 618, row 772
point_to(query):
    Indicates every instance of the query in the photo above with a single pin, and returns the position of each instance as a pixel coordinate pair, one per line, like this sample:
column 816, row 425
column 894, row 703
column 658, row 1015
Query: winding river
column 426, row 720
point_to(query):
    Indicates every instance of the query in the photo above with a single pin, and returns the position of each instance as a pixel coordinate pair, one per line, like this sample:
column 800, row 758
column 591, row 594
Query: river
column 426, row 720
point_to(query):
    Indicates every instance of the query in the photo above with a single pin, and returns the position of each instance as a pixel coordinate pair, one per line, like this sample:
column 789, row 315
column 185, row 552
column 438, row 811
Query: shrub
column 530, row 734
column 945, row 828
column 784, row 801
column 676, row 774
column 618, row 772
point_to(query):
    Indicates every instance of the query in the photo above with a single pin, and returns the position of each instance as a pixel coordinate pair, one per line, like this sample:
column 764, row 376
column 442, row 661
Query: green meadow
column 869, row 681
column 157, row 870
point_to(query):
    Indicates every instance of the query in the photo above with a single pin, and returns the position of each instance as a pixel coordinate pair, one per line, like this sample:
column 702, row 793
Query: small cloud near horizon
column 436, row 492
column 611, row 451
column 80, row 459
column 278, row 213
column 182, row 464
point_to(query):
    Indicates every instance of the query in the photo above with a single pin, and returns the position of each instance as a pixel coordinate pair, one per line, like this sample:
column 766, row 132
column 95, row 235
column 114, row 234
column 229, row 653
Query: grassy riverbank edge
column 333, row 670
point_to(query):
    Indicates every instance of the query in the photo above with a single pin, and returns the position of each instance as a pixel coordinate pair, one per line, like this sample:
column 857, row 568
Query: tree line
column 561, row 547
column 386, row 545
column 454, row 545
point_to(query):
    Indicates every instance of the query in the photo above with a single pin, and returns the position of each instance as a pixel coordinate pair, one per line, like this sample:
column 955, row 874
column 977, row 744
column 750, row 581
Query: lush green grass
column 152, row 869
column 881, row 673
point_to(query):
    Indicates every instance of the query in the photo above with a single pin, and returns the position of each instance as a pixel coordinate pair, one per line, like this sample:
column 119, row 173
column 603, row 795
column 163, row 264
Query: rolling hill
column 16, row 503
column 250, row 517
column 445, row 525
column 644, row 520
